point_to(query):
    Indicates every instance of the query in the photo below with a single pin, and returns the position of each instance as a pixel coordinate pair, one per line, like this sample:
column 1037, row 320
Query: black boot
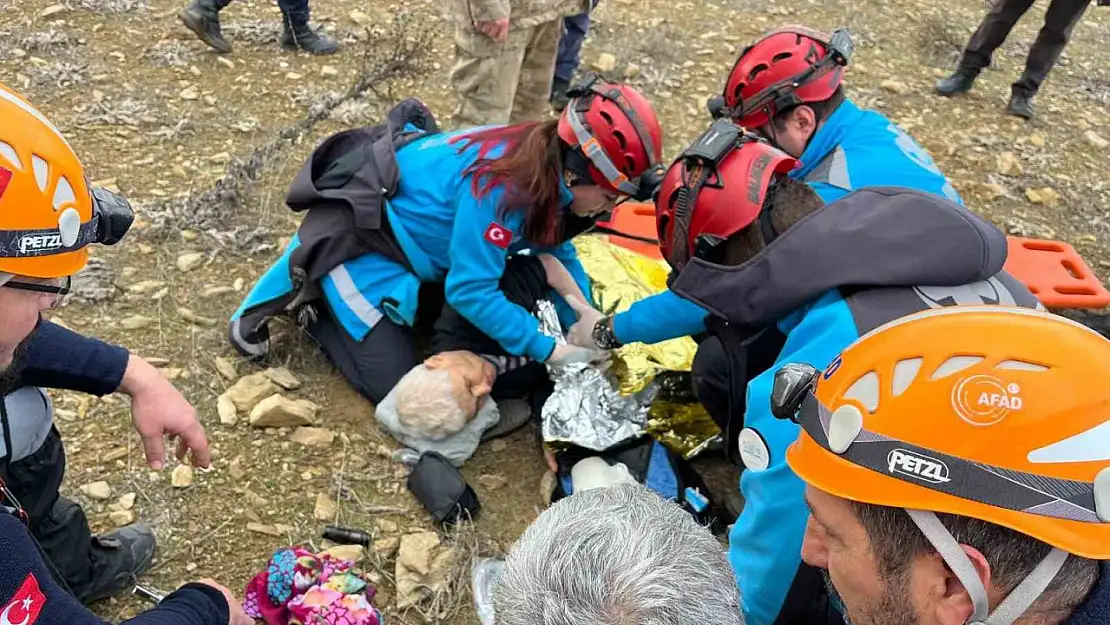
column 559, row 99
column 117, row 559
column 959, row 82
column 297, row 34
column 203, row 18
column 1021, row 105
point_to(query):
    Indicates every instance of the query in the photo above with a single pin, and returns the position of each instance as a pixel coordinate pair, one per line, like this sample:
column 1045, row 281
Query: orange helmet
column 46, row 206
column 994, row 413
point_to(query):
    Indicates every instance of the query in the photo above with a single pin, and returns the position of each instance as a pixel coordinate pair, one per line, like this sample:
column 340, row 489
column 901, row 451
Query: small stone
column 1008, row 165
column 294, row 76
column 492, row 482
column 194, row 70
column 189, row 93
column 146, row 286
column 196, row 319
column 1037, row 139
column 182, row 476
column 214, row 291
column 387, row 547
column 238, row 284
column 283, row 377
column 1046, row 196
column 135, row 322
column 354, row 553
column 226, row 62
column 226, row 409
column 249, row 390
column 632, row 71
column 118, row 453
column 1096, row 140
column 499, row 445
column 387, row 527
column 190, row 261
column 605, row 62
column 99, row 491
column 127, row 501
column 235, row 468
column 422, row 568
column 278, row 411
column 210, row 100
column 313, row 437
column 190, row 567
column 325, row 509
column 993, row 191
column 53, row 10
column 895, row 86
column 226, row 368
column 121, row 518
column 328, row 71
column 260, row 528
column 358, row 17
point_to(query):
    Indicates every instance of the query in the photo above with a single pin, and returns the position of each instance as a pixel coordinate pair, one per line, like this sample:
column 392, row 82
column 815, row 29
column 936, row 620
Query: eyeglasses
column 59, row 287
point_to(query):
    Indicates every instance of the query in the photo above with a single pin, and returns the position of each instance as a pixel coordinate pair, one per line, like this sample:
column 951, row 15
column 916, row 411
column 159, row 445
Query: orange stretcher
column 1052, row 270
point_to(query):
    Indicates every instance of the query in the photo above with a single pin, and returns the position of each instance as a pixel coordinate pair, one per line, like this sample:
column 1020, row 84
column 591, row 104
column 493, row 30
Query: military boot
column 296, row 33
column 1021, row 105
column 959, row 82
column 117, row 559
column 203, row 18
column 559, row 99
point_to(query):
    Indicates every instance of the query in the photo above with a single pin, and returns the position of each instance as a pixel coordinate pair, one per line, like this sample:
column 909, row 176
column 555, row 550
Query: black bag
column 439, row 486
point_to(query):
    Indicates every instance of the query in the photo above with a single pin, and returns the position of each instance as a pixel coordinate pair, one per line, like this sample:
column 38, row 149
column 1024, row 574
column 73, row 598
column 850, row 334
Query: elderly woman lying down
column 470, row 389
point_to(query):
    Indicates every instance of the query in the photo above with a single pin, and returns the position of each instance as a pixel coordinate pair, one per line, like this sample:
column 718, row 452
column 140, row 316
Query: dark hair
column 529, row 169
column 821, row 109
column 791, row 201
column 896, row 541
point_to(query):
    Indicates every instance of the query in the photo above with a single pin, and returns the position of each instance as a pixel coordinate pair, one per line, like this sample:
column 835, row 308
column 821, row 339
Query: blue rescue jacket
column 448, row 235
column 838, row 274
column 853, row 149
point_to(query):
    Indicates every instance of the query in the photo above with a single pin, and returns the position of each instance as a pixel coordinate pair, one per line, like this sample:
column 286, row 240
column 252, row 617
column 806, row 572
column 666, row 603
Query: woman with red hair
column 466, row 201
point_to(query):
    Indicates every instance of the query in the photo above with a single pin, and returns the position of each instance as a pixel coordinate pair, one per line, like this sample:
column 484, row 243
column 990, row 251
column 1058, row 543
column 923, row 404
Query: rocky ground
column 205, row 145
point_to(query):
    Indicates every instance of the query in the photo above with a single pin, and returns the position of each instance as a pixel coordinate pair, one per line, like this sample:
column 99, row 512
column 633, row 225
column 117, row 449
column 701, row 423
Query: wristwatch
column 603, row 334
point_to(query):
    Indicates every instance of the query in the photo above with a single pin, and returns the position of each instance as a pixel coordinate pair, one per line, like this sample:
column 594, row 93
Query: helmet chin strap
column 1018, row 601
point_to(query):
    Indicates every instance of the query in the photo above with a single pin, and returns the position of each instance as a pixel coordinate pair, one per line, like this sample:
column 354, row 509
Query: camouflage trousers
column 505, row 82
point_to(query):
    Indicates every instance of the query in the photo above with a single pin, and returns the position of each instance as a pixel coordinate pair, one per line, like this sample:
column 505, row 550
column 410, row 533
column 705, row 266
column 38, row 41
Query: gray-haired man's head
column 615, row 556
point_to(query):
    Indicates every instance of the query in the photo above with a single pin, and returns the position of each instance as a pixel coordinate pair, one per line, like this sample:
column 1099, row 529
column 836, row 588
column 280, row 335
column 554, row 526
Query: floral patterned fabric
column 299, row 587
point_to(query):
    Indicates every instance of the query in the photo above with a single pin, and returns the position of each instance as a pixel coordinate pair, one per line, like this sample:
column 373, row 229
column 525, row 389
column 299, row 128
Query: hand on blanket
column 582, row 332
column 569, row 354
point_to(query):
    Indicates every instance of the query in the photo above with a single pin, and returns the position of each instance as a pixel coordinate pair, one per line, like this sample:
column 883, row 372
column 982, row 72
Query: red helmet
column 715, row 189
column 788, row 66
column 617, row 130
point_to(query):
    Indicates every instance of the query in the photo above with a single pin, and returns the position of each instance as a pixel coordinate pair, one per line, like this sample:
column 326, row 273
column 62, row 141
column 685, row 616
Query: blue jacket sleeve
column 766, row 542
column 24, row 577
column 472, row 280
column 658, row 318
column 59, row 358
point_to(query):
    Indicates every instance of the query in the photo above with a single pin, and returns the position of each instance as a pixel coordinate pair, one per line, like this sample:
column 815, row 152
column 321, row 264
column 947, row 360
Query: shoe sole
column 195, row 24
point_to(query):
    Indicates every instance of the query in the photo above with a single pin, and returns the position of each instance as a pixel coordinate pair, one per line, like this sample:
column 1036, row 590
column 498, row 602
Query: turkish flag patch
column 26, row 605
column 5, row 178
column 499, row 235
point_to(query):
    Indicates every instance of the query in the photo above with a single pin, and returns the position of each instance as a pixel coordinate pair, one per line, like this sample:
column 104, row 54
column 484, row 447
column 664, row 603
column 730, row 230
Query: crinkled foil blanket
column 644, row 388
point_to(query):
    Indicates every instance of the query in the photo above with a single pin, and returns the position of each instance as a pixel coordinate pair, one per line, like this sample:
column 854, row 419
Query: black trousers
column 374, row 365
column 58, row 524
column 1059, row 20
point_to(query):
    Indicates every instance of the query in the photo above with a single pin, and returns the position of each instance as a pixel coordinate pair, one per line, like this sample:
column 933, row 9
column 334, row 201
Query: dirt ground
column 156, row 115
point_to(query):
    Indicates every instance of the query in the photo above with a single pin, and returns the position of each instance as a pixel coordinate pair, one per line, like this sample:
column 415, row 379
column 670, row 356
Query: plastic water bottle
column 483, row 576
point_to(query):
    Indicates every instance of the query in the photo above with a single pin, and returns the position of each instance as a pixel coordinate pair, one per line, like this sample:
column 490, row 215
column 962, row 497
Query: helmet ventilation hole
column 955, row 364
column 865, row 390
column 905, row 371
column 1102, row 495
column 42, row 171
column 9, row 153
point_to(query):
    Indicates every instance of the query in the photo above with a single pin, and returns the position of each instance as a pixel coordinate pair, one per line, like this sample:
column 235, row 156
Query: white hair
column 426, row 404
column 615, row 556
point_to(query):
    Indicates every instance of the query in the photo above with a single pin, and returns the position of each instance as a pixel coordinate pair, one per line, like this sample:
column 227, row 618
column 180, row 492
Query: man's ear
column 434, row 361
column 948, row 599
column 480, row 389
column 805, row 119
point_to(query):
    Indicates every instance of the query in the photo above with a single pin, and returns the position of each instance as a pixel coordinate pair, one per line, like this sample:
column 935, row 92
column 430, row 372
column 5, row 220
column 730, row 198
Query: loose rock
column 1046, row 196
column 1008, row 165
column 121, row 518
column 190, row 261
column 249, row 390
column 325, row 509
column 1096, row 140
column 328, row 71
column 492, row 482
column 99, row 491
column 226, row 368
column 196, row 319
column 354, row 553
column 226, row 409
column 53, row 10
column 312, row 437
column 605, row 62
column 182, row 476
column 277, row 411
column 387, row 547
column 127, row 501
column 189, row 93
column 135, row 322
column 146, row 286
column 261, row 528
column 283, row 377
column 360, row 18
column 1037, row 139
column 422, row 568
column 895, row 86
